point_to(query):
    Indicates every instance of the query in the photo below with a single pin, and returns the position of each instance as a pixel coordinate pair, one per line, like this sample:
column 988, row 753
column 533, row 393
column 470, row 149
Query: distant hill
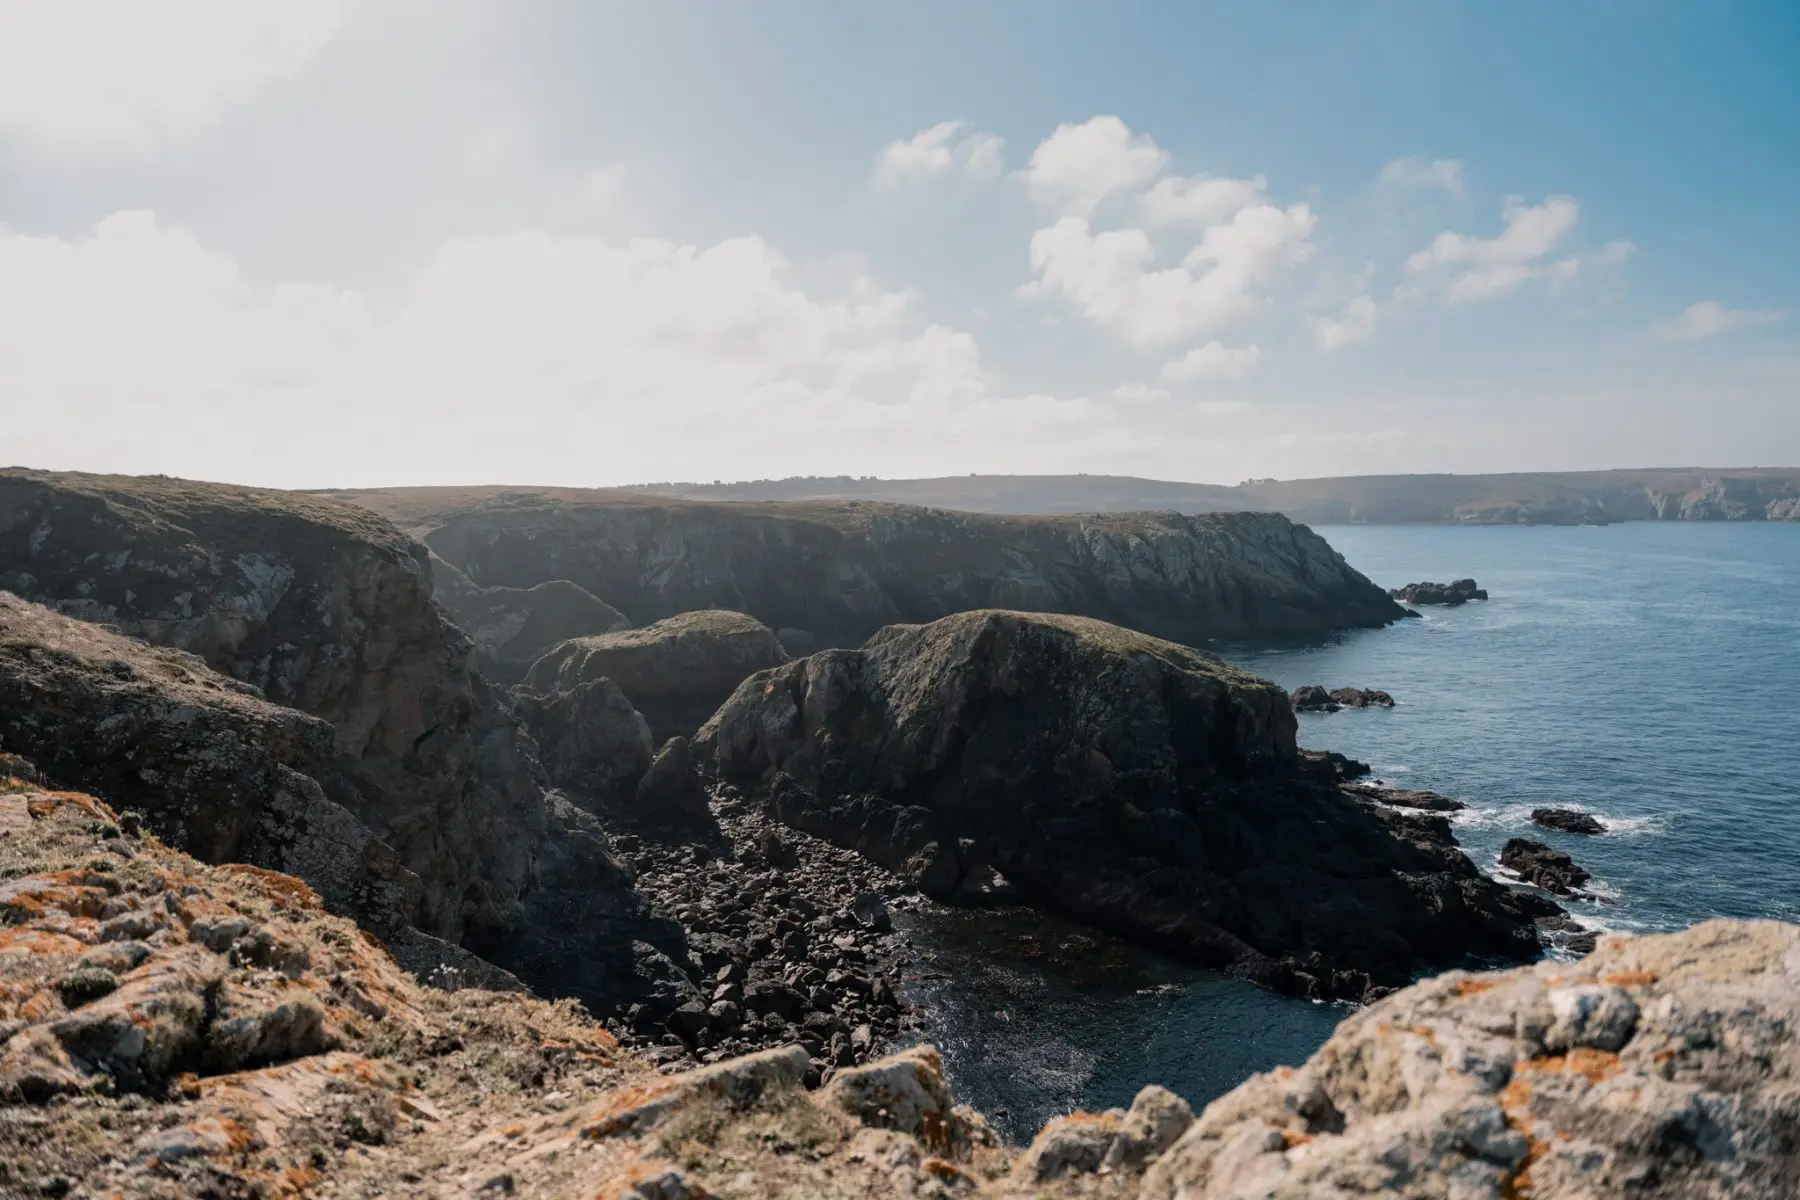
column 1554, row 498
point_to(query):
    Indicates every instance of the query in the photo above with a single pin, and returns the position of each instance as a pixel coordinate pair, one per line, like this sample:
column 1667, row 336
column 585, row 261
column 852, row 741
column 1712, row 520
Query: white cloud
column 1709, row 318
column 1215, row 360
column 129, row 73
column 1108, row 276
column 1420, row 172
column 1078, row 166
column 1138, row 393
column 1357, row 324
column 1613, row 253
column 1481, row 268
column 938, row 151
column 1201, row 200
column 523, row 356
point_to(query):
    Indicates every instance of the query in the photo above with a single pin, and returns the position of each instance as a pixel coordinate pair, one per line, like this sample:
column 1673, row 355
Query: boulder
column 675, row 672
column 513, row 627
column 1415, row 798
column 1313, row 698
column 1661, row 1067
column 671, row 794
column 1119, row 779
column 1537, row 863
column 590, row 739
column 1460, row 591
column 1567, row 820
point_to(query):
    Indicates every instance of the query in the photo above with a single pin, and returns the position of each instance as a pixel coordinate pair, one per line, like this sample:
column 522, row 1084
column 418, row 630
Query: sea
column 1646, row 673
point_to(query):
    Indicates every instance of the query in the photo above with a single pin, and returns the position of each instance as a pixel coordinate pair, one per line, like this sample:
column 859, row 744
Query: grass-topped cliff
column 840, row 569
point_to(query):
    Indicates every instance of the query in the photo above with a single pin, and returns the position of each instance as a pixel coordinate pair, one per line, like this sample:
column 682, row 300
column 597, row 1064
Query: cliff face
column 513, row 627
column 327, row 609
column 843, row 570
column 1122, row 780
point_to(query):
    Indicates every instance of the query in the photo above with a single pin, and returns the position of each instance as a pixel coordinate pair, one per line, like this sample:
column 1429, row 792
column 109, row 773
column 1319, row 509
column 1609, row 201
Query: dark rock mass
column 590, row 739
column 1314, row 698
column 512, row 627
column 1537, row 863
column 1567, row 820
column 1117, row 778
column 1460, row 591
column 676, row 672
column 327, row 609
column 1416, row 798
column 841, row 570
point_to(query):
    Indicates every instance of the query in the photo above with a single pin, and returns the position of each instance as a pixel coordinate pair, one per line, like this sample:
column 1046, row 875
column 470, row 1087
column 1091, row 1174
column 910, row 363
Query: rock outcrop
column 841, row 570
column 1567, row 820
column 1457, row 592
column 1314, row 698
column 590, row 739
column 171, row 1029
column 513, row 627
column 325, row 608
column 1122, row 780
column 676, row 672
column 1659, row 1067
column 1534, row 862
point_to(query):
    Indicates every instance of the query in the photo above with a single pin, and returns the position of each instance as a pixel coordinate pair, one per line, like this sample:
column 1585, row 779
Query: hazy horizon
column 364, row 243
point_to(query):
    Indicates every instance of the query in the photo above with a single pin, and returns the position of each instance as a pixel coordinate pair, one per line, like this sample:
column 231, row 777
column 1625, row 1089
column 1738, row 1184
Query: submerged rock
column 676, row 672
column 1567, row 820
column 1116, row 778
column 1460, row 591
column 1537, row 863
column 1314, row 698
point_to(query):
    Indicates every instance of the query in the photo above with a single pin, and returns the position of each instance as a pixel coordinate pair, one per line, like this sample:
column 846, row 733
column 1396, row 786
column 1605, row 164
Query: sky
column 322, row 243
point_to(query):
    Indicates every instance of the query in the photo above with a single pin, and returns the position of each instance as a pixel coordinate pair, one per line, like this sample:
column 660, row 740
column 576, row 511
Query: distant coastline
column 1542, row 498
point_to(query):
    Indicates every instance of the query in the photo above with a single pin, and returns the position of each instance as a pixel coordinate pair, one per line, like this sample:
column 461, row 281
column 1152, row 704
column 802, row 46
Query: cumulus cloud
column 571, row 359
column 938, row 151
column 1078, row 166
column 1481, row 268
column 1201, row 200
column 1417, row 171
column 1138, row 393
column 126, row 73
column 1708, row 318
column 1108, row 276
column 1215, row 360
column 1356, row 324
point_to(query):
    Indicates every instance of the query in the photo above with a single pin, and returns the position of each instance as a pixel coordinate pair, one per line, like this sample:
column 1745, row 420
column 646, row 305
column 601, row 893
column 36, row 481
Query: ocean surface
column 1646, row 673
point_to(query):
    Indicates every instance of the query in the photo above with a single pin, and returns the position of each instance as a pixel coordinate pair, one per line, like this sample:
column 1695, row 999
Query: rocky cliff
column 1117, row 778
column 170, row 1029
column 326, row 608
column 841, row 570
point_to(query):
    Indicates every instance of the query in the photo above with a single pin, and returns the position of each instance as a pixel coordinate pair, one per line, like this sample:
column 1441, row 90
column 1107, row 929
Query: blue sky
column 393, row 241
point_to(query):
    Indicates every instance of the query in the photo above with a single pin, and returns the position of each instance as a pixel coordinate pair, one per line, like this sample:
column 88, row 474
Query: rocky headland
column 1119, row 779
column 838, row 571
column 173, row 1029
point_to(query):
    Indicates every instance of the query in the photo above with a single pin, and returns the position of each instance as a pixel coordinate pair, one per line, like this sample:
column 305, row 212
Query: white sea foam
column 1517, row 817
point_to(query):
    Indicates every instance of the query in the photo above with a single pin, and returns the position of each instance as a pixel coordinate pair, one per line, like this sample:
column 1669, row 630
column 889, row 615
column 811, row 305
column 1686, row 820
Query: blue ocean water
column 1646, row 673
